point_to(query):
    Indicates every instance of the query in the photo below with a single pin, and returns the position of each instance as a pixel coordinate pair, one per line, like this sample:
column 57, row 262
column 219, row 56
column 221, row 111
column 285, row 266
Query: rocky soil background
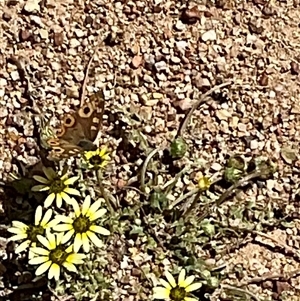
column 154, row 59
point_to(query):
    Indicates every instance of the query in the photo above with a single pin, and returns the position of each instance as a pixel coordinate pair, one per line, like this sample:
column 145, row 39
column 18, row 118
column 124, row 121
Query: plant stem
column 110, row 204
column 202, row 99
column 144, row 168
column 229, row 191
column 240, row 290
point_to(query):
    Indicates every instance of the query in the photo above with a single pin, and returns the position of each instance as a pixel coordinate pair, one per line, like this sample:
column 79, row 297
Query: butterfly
column 78, row 130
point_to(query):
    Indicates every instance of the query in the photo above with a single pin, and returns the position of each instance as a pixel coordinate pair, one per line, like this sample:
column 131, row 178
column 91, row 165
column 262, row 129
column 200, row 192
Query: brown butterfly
column 78, row 130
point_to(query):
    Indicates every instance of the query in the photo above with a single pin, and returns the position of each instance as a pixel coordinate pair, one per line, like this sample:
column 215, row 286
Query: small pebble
column 179, row 26
column 160, row 66
column 216, row 166
column 15, row 75
column 74, row 43
column 253, row 144
column 209, row 36
column 31, row 6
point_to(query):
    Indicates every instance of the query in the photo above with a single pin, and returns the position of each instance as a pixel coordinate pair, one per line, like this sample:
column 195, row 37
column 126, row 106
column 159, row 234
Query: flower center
column 57, row 186
column 81, row 224
column 96, row 160
column 177, row 294
column 34, row 231
column 58, row 255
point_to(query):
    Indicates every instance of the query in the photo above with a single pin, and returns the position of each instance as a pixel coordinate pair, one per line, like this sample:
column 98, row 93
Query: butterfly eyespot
column 53, row 142
column 60, row 132
column 58, row 150
column 69, row 121
column 86, row 111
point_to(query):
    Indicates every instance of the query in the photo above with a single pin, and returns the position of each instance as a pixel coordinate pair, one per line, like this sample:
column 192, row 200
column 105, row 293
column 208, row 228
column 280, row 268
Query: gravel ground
column 154, row 59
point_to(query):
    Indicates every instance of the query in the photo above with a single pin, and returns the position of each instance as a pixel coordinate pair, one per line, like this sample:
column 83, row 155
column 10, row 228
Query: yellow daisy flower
column 83, row 225
column 54, row 256
column 176, row 291
column 30, row 232
column 204, row 183
column 96, row 159
column 57, row 187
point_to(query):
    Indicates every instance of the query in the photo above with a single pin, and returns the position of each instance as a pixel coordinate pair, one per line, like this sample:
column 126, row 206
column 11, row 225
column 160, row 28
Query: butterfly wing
column 85, row 123
column 90, row 116
column 78, row 130
column 61, row 149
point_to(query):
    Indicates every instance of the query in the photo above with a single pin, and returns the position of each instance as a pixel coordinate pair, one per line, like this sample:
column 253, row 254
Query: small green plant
column 172, row 215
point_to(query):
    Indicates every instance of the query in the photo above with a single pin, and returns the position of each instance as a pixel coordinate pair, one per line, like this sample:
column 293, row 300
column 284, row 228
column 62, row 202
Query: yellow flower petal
column 64, row 219
column 94, row 239
column 188, row 281
column 170, row 278
column 161, row 293
column 40, row 251
column 86, row 205
column 103, row 151
column 76, row 258
column 41, row 179
column 58, row 238
column 67, row 236
column 88, row 155
column 17, row 230
column 43, row 268
column 165, row 283
column 97, row 214
column 66, row 198
column 85, row 243
column 39, row 260
column 46, row 188
column 52, row 240
column 94, row 207
column 23, row 246
column 46, row 218
column 31, row 254
column 181, row 278
column 72, row 191
column 71, row 181
column 77, row 242
column 99, row 230
column 51, row 224
column 69, row 249
column 76, row 209
column 38, row 215
column 49, row 200
column 193, row 287
column 59, row 199
column 70, row 267
column 20, row 225
column 40, row 188
column 54, row 271
column 63, row 227
column 18, row 237
column 44, row 241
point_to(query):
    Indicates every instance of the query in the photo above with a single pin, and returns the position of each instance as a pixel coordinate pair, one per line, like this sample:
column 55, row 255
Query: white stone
column 179, row 25
column 79, row 33
column 14, row 75
column 253, row 144
column 209, row 35
column 31, row 6
column 216, row 166
column 74, row 43
column 44, row 34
